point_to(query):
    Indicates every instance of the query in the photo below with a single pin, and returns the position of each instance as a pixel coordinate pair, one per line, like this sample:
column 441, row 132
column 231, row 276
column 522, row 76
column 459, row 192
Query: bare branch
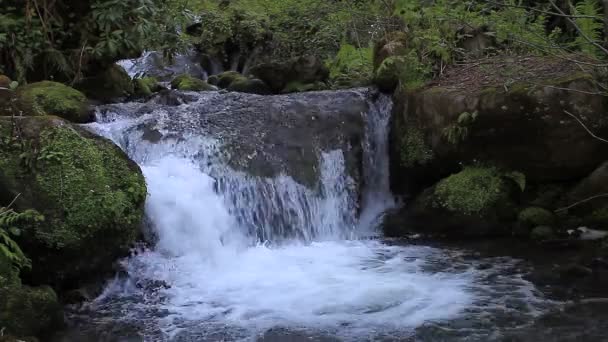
column 581, row 202
column 585, row 127
column 545, row 12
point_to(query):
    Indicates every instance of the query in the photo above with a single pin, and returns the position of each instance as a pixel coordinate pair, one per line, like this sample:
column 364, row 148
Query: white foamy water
column 236, row 255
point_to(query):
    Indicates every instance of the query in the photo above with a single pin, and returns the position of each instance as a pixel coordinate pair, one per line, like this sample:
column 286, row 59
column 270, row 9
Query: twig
column 13, row 201
column 581, row 202
column 578, row 29
column 545, row 12
column 585, row 127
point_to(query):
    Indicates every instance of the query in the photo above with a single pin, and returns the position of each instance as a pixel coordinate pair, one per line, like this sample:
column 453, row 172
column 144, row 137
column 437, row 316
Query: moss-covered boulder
column 251, row 86
column 90, row 193
column 477, row 201
column 304, row 70
column 107, row 85
column 226, row 78
column 298, row 87
column 146, row 86
column 388, row 73
column 189, row 83
column 535, row 216
column 52, row 98
column 24, row 310
column 474, row 116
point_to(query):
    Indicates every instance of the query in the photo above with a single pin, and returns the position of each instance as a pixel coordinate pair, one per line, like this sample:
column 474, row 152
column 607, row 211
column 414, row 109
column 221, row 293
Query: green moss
column 52, row 98
column 189, row 83
column 213, row 80
column 110, row 84
column 474, row 190
column 226, row 78
column 404, row 70
column 145, row 86
column 89, row 192
column 26, row 310
column 414, row 150
column 535, row 216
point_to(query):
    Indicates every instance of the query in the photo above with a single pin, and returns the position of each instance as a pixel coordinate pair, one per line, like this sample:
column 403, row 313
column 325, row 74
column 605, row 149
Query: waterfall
column 237, row 254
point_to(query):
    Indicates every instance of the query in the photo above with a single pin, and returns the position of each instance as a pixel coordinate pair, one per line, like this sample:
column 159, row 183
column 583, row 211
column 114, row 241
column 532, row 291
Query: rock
column 511, row 129
column 108, row 85
column 225, row 79
column 305, row 70
column 154, row 64
column 534, row 216
column 52, row 98
column 168, row 97
column 575, row 271
column 391, row 45
column 541, row 233
column 593, row 185
column 213, row 80
column 189, row 83
column 388, row 73
column 146, row 86
column 251, row 86
column 5, row 81
column 297, row 87
column 24, row 310
column 267, row 136
column 90, row 193
column 472, row 203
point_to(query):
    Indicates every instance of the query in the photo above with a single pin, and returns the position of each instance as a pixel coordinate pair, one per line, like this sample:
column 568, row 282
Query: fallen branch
column 581, row 202
column 585, row 127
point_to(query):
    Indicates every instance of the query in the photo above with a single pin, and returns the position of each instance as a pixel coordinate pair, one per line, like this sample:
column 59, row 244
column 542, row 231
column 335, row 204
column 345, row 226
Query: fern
column 9, row 223
column 590, row 28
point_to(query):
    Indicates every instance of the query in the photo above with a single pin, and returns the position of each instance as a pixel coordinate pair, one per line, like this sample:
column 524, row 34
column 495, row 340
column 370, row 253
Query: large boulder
column 531, row 126
column 52, row 98
column 304, row 70
column 25, row 310
column 146, row 86
column 89, row 192
column 107, row 85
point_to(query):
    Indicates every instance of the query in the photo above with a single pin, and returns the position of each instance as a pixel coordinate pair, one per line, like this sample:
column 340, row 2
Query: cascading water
column 235, row 255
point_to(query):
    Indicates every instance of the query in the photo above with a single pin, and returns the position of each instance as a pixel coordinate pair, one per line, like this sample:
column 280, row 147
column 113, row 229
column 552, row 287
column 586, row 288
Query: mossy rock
column 535, row 216
column 251, row 86
column 146, row 86
column 26, row 310
column 52, row 98
column 542, row 233
column 90, row 193
column 388, row 73
column 213, row 80
column 473, row 191
column 108, row 85
column 5, row 81
column 225, row 79
column 189, row 83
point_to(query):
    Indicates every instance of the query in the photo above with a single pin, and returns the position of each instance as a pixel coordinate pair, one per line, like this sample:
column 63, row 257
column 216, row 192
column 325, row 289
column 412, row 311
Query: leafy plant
column 587, row 12
column 459, row 131
column 10, row 221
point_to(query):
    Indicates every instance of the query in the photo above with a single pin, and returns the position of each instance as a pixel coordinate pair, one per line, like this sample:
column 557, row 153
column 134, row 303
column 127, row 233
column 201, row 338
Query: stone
column 511, row 130
column 189, row 83
column 52, row 98
column 108, row 85
column 90, row 194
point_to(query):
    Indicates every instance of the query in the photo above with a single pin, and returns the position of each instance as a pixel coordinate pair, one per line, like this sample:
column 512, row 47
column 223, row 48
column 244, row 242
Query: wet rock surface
column 262, row 135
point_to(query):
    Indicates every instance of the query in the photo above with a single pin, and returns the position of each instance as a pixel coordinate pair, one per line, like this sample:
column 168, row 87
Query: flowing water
column 237, row 257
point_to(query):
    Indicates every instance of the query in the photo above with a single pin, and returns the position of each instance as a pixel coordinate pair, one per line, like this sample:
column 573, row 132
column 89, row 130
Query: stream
column 236, row 256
